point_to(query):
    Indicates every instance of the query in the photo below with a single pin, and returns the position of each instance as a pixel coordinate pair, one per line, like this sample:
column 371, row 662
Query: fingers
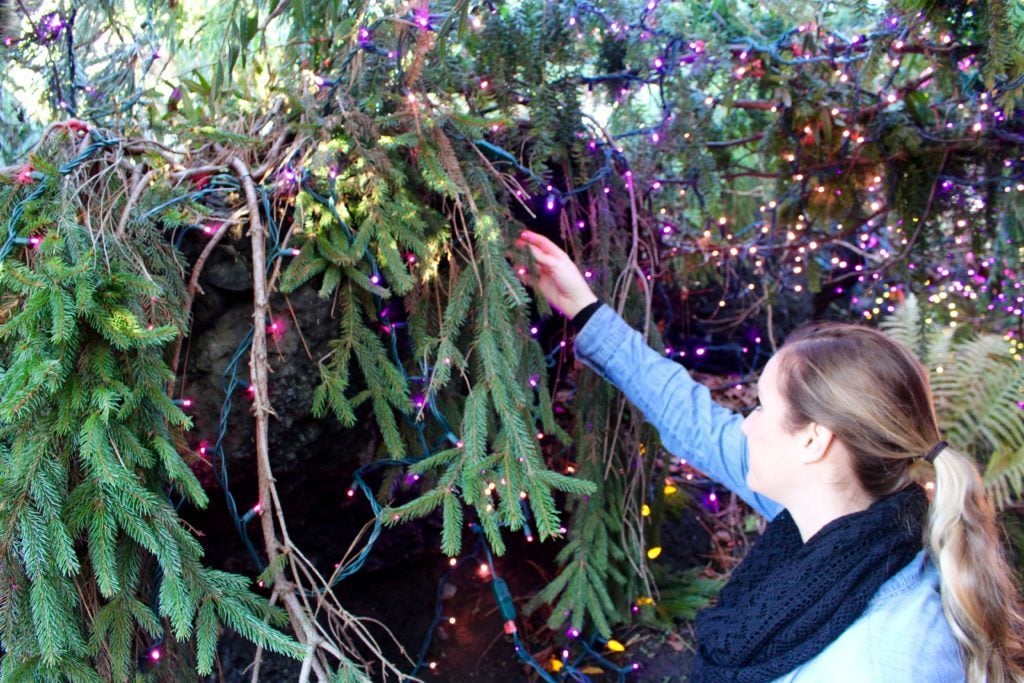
column 543, row 258
column 557, row 278
column 545, row 252
column 540, row 242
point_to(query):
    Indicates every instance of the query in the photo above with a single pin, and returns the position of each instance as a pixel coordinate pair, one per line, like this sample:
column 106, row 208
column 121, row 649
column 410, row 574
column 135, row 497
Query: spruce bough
column 92, row 551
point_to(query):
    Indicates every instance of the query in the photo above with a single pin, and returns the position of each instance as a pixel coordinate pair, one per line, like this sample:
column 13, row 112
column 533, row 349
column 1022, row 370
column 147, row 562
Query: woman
column 839, row 587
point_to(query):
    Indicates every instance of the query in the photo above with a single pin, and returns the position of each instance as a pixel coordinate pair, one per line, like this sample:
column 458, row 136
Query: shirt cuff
column 597, row 342
column 581, row 318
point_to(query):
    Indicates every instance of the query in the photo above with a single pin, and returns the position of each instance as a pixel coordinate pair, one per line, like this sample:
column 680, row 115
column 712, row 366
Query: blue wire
column 99, row 143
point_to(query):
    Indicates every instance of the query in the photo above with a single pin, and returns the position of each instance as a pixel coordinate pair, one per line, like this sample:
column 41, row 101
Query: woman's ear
column 815, row 442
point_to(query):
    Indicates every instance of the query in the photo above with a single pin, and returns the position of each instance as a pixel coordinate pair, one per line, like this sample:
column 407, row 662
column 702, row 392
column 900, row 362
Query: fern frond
column 905, row 325
column 1004, row 477
column 976, row 385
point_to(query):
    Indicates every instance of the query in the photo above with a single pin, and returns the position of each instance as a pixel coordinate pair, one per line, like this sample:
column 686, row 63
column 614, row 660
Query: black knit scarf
column 788, row 599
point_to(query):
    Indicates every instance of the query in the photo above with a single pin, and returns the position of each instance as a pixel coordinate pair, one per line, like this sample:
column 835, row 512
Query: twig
column 271, row 157
column 301, row 622
column 72, row 124
column 758, row 105
column 138, row 188
column 193, row 284
column 186, row 173
column 713, row 144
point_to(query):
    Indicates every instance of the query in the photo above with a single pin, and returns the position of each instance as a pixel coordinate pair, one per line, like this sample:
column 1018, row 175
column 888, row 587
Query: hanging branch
column 262, row 411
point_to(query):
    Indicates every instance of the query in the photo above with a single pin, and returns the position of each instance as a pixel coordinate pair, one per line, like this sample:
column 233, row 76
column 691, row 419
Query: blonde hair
column 874, row 395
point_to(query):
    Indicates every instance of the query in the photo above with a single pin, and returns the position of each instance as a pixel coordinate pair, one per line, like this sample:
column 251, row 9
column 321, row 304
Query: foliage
column 89, row 530
column 683, row 595
column 978, row 387
column 602, row 564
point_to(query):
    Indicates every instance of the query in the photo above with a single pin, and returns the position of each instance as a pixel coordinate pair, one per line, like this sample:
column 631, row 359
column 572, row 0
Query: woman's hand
column 559, row 280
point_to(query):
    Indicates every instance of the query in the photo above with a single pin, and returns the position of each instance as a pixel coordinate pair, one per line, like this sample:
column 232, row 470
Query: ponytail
column 979, row 595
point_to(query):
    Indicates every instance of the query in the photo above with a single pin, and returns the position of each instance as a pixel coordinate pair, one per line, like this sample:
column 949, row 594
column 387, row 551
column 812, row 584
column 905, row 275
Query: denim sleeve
column 691, row 425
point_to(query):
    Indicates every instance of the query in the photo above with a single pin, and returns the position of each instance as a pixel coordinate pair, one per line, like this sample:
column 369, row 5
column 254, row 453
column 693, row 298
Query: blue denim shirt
column 902, row 636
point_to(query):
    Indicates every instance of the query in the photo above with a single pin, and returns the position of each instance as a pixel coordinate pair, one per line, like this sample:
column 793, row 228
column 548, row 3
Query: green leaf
column 273, row 568
column 451, row 530
column 101, row 537
column 565, row 483
column 177, row 604
column 206, row 637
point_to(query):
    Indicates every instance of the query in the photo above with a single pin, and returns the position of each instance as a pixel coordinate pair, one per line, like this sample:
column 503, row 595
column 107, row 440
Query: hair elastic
column 936, row 449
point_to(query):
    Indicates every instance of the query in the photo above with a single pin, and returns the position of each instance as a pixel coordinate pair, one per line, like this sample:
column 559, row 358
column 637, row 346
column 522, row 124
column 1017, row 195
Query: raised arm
column 691, row 425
